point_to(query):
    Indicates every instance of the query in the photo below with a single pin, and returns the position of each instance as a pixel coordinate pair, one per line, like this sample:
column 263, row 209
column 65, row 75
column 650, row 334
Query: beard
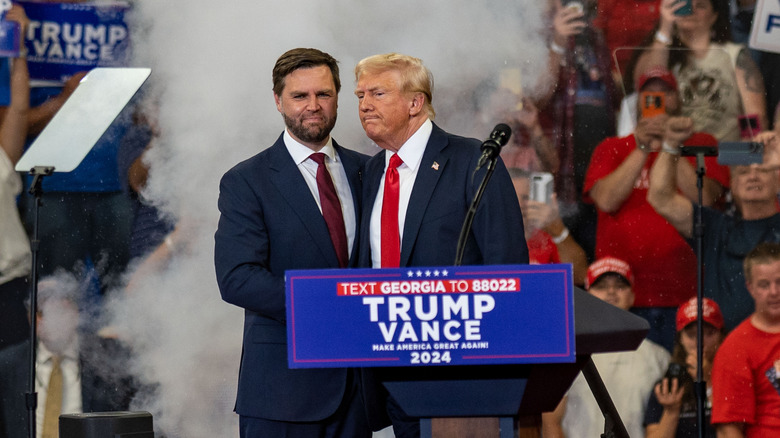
column 312, row 133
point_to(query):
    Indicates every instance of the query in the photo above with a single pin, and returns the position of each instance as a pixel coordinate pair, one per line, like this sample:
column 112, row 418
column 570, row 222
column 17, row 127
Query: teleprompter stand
column 61, row 147
column 31, row 398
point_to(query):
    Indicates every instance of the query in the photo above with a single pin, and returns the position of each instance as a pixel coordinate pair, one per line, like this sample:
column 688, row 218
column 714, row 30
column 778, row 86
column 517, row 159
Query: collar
column 301, row 152
column 411, row 152
column 44, row 355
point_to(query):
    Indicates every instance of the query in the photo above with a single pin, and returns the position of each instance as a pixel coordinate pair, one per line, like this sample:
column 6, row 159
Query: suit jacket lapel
column 284, row 174
column 354, row 177
column 427, row 177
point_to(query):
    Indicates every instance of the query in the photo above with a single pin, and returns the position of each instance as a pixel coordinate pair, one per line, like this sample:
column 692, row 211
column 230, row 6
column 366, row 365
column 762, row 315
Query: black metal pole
column 613, row 425
column 700, row 385
column 31, row 397
column 464, row 231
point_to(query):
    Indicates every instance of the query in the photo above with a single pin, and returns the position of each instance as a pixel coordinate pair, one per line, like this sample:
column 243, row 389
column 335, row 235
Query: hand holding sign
column 13, row 21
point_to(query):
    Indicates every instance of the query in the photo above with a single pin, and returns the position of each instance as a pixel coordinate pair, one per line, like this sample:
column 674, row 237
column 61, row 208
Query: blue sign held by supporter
column 66, row 38
column 466, row 315
column 765, row 34
column 9, row 32
column 772, row 21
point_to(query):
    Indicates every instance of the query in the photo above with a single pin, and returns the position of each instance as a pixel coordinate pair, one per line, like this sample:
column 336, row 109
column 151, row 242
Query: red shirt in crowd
column 663, row 263
column 542, row 250
column 625, row 24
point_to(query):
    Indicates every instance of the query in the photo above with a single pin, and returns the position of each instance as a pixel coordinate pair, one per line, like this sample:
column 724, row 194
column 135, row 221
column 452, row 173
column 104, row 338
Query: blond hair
column 415, row 77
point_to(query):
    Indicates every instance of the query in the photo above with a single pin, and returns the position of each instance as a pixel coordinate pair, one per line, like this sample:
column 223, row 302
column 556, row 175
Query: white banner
column 766, row 26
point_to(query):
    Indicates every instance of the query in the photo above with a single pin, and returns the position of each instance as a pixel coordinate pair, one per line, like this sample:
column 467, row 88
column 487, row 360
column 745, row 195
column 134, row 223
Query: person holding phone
column 617, row 182
column 578, row 109
column 548, row 239
column 671, row 410
column 718, row 79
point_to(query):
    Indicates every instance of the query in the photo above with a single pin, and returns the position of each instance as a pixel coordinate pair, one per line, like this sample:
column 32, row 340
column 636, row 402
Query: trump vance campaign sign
column 508, row 314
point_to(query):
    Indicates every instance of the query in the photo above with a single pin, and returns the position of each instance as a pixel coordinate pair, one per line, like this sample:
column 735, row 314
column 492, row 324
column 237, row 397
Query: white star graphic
column 436, row 273
column 444, row 273
column 427, row 273
column 410, row 274
column 419, row 273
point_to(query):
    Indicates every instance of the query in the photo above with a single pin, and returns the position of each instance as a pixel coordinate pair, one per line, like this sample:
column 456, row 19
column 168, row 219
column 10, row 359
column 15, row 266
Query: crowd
column 612, row 130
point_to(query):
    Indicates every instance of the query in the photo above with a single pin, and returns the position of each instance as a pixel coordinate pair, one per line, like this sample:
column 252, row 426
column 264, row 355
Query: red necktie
column 391, row 241
column 331, row 209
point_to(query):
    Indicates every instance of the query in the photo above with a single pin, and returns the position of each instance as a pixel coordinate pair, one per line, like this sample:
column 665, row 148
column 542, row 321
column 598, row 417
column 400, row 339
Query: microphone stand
column 31, row 397
column 469, row 219
column 700, row 385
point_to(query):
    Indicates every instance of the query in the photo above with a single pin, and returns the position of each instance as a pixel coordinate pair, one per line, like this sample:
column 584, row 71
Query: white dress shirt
column 15, row 255
column 411, row 154
column 71, row 382
column 308, row 169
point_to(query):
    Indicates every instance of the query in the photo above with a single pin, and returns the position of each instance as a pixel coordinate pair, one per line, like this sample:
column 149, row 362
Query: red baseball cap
column 660, row 73
column 606, row 265
column 711, row 314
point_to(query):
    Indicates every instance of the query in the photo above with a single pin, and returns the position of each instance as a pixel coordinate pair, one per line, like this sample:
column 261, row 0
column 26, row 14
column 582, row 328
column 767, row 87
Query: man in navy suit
column 430, row 186
column 274, row 217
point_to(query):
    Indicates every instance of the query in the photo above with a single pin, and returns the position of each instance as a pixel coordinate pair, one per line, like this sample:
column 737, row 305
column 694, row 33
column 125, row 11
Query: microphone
column 492, row 146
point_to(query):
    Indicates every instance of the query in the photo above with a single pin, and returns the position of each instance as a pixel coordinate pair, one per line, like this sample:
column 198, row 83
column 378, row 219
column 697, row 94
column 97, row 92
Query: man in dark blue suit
column 277, row 214
column 426, row 174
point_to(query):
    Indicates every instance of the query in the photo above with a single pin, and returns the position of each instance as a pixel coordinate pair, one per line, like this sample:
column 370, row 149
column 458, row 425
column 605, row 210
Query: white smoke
column 211, row 65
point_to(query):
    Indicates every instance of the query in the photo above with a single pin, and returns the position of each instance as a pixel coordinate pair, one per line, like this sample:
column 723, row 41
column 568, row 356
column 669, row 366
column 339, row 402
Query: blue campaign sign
column 66, row 38
column 466, row 315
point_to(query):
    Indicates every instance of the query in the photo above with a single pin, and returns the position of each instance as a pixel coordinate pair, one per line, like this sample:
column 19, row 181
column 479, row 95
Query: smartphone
column 542, row 187
column 679, row 372
column 748, row 125
column 653, row 103
column 740, row 153
column 687, row 9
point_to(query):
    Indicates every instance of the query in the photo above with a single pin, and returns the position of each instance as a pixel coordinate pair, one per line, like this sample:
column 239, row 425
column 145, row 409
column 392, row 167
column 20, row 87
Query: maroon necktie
column 331, row 209
column 391, row 241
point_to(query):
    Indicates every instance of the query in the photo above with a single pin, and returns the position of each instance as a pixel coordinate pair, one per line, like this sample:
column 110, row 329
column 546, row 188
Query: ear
column 417, row 104
column 278, row 103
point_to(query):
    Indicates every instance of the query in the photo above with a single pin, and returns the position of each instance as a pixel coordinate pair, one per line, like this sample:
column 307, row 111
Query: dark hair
column 678, row 52
column 303, row 58
column 680, row 356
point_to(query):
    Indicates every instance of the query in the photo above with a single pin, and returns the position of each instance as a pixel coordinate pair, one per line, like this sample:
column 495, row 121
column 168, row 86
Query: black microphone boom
column 492, row 146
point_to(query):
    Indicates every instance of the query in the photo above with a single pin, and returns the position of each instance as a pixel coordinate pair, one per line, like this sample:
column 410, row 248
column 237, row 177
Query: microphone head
column 501, row 133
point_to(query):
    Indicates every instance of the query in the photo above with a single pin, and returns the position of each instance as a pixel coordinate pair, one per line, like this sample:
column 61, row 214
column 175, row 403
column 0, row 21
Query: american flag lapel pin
column 435, row 166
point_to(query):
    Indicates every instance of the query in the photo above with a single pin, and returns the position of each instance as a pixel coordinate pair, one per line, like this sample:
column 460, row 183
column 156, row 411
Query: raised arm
column 731, row 430
column 663, row 195
column 41, row 115
column 751, row 87
column 658, row 52
column 567, row 22
column 686, row 182
column 13, row 129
